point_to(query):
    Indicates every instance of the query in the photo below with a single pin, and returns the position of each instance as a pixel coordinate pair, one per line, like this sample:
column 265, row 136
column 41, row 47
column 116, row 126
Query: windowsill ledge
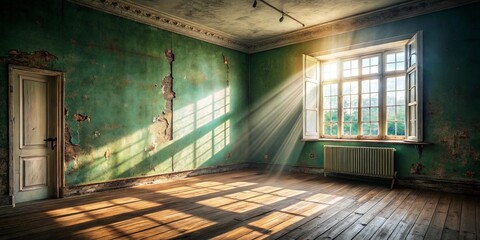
column 364, row 140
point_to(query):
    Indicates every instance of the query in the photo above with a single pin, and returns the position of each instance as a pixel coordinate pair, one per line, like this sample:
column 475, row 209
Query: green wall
column 113, row 74
column 451, row 86
column 114, row 68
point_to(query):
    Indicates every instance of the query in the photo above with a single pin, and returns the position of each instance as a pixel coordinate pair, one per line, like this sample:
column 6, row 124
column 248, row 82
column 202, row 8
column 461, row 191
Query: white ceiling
column 237, row 25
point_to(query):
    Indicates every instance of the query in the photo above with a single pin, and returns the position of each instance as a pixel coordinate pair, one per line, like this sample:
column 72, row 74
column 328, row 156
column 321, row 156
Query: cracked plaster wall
column 113, row 89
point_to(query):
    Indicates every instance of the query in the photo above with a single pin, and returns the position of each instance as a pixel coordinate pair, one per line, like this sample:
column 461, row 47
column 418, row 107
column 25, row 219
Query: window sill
column 386, row 141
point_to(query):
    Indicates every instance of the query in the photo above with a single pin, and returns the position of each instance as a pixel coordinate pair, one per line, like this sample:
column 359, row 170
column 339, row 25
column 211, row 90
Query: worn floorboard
column 249, row 205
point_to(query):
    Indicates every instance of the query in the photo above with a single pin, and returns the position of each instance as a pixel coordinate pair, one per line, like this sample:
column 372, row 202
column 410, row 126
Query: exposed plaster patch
column 439, row 172
column 107, row 154
column 80, row 118
column 150, row 148
column 70, row 151
column 458, row 144
column 38, row 59
column 417, row 168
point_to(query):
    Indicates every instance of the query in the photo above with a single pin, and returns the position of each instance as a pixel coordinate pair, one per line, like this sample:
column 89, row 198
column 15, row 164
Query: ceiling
column 239, row 19
column 236, row 24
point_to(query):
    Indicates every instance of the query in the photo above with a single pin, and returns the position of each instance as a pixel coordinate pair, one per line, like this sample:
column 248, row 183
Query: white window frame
column 414, row 134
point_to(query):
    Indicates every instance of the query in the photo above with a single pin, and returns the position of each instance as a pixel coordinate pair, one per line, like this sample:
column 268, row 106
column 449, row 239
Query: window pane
column 400, row 129
column 346, row 88
column 327, row 116
column 374, row 99
column 400, row 98
column 334, row 115
column 366, row 129
column 350, row 68
column 334, row 129
column 311, row 99
column 346, row 128
column 374, row 129
column 334, row 102
column 391, row 58
column 327, row 130
column 412, row 94
column 374, row 114
column 365, row 86
column 354, row 128
column 401, row 83
column 311, row 123
column 365, row 100
column 390, row 113
column 391, row 128
column 326, row 103
column 390, row 84
column 329, row 71
column 374, row 85
column 390, row 67
column 346, row 102
column 354, row 100
column 347, row 115
column 354, row 114
column 401, row 113
column 365, row 115
column 390, row 98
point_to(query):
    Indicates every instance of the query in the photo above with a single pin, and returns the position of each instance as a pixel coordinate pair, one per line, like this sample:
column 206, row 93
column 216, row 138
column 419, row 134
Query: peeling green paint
column 114, row 69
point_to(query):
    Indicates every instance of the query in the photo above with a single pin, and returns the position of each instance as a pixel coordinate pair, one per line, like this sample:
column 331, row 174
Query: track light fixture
column 278, row 10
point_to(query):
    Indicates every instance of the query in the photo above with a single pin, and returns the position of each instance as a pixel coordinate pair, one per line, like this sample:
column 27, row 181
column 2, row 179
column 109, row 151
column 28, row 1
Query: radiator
column 362, row 161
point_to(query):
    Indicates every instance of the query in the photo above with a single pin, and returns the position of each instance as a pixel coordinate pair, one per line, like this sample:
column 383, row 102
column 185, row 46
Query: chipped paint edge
column 155, row 18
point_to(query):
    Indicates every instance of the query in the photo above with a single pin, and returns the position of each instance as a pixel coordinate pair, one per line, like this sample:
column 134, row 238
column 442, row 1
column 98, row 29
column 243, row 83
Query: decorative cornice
column 160, row 20
column 132, row 11
column 390, row 14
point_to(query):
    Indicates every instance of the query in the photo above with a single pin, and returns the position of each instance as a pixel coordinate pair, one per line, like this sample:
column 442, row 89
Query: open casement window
column 311, row 84
column 370, row 93
column 413, row 50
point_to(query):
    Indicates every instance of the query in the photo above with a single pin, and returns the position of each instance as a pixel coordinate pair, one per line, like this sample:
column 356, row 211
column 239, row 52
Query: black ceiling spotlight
column 278, row 10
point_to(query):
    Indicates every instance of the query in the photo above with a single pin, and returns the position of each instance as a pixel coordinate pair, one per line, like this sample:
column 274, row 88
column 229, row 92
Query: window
column 371, row 93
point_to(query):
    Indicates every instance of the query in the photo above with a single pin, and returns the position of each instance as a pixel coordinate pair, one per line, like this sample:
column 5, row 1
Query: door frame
column 59, row 178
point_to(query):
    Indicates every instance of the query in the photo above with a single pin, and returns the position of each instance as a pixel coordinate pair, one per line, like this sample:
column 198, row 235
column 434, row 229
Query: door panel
column 34, row 114
column 33, row 173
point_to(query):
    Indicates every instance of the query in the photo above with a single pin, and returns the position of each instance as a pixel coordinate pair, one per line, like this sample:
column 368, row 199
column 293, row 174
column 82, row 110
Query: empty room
column 248, row 119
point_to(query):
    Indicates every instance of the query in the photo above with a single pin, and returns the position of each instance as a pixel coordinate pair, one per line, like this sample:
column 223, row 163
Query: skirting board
column 441, row 185
column 138, row 181
column 416, row 182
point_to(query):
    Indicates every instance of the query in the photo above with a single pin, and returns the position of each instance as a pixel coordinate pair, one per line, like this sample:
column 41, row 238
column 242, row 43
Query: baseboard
column 138, row 181
column 463, row 186
column 286, row 168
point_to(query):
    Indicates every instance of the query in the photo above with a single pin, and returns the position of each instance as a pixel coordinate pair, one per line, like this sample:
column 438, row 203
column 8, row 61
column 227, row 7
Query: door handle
column 52, row 141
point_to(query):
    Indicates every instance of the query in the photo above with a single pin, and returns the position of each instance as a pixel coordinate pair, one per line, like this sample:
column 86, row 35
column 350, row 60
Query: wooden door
column 35, row 131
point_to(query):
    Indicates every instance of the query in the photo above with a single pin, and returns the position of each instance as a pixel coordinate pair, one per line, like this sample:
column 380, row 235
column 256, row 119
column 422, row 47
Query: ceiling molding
column 390, row 14
column 152, row 17
column 163, row 21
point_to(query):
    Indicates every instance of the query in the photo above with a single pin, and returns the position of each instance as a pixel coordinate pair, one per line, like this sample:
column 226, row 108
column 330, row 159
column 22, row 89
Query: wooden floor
column 249, row 205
